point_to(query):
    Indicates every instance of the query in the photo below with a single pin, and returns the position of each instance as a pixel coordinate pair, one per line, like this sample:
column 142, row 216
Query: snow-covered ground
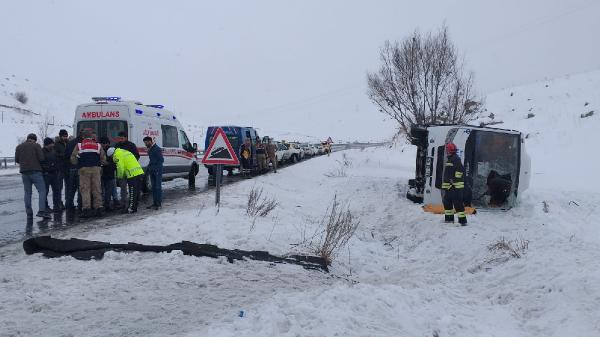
column 403, row 274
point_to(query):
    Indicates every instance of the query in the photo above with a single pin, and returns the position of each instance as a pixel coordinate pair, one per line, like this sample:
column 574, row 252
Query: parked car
column 295, row 152
column 282, row 153
column 309, row 150
column 320, row 149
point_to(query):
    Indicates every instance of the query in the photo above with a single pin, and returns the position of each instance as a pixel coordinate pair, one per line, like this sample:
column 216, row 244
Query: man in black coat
column 155, row 171
column 453, row 186
column 109, row 183
column 60, row 147
column 125, row 144
column 50, row 166
column 72, row 185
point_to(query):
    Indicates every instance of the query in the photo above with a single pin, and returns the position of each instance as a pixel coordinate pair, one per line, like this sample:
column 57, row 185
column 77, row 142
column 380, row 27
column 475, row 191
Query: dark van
column 237, row 135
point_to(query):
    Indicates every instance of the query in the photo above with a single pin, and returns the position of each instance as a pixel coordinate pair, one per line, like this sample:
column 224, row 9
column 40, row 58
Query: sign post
column 219, row 153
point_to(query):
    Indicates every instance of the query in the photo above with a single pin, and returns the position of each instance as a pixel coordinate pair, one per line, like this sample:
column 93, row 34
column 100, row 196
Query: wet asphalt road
column 15, row 226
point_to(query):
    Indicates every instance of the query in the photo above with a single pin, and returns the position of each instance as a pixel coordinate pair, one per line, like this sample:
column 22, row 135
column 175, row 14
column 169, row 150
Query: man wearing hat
column 29, row 156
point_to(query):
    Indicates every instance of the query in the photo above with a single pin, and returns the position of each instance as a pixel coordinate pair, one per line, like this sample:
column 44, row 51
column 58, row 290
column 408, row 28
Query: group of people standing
column 265, row 155
column 90, row 169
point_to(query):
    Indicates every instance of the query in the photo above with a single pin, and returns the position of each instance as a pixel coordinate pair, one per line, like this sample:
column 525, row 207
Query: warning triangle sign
column 219, row 151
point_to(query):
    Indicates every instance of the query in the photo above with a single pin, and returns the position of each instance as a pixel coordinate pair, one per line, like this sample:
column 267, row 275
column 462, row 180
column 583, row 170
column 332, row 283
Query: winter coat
column 88, row 153
column 61, row 154
column 271, row 149
column 109, row 169
column 29, row 156
column 260, row 149
column 129, row 146
column 454, row 173
column 71, row 145
column 50, row 164
column 156, row 159
column 127, row 165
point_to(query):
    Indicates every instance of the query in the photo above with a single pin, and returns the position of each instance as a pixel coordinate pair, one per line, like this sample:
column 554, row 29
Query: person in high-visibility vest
column 453, row 186
column 128, row 168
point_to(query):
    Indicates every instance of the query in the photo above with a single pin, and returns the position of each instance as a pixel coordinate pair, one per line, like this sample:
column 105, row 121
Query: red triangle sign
column 219, row 151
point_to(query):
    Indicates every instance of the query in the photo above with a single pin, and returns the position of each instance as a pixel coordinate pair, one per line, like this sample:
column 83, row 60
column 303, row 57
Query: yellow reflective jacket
column 127, row 165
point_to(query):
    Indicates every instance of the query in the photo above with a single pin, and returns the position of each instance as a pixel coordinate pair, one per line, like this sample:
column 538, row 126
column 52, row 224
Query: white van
column 109, row 116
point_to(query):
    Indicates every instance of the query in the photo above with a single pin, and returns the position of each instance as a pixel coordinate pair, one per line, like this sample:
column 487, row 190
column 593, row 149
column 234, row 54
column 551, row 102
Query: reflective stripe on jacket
column 454, row 172
column 127, row 165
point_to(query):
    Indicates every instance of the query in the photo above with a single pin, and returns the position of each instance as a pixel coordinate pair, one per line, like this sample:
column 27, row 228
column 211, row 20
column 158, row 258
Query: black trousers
column 453, row 201
column 133, row 187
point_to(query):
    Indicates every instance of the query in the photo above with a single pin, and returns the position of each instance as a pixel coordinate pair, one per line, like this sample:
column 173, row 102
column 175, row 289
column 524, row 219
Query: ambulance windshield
column 104, row 128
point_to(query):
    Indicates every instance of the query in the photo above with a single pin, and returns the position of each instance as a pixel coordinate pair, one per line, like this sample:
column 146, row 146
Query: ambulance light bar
column 108, row 98
column 158, row 106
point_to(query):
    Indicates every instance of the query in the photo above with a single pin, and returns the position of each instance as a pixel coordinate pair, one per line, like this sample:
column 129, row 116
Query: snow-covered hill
column 562, row 143
column 41, row 104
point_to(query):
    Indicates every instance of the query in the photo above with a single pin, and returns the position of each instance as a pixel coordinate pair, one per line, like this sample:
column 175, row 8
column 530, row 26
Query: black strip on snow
column 87, row 250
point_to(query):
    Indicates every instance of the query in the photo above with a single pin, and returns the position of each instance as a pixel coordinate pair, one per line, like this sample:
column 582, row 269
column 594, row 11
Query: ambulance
column 497, row 166
column 109, row 116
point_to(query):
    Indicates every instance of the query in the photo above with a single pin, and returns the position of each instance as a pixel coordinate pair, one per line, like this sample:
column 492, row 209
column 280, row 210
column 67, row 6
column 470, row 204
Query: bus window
column 169, row 136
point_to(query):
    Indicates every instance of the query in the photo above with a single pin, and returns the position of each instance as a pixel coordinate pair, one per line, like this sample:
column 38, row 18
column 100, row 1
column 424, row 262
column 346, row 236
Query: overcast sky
column 281, row 63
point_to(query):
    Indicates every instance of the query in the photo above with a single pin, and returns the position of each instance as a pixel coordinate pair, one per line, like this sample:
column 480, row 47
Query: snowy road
column 14, row 225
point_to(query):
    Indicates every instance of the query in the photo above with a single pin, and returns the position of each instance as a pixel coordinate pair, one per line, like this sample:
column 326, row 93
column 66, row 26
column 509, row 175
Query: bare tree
column 422, row 81
column 44, row 125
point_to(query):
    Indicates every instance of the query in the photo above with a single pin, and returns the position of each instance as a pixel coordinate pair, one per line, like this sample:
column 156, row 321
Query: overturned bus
column 497, row 168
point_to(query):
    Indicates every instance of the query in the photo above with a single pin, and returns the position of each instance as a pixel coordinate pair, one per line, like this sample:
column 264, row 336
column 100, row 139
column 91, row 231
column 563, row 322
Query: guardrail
column 7, row 162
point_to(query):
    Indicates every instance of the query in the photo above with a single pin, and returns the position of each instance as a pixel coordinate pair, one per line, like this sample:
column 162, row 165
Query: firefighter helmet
column 451, row 148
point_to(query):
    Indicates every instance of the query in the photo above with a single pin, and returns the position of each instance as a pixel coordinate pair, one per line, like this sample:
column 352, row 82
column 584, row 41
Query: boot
column 85, row 213
column 99, row 212
column 462, row 221
column 449, row 218
column 43, row 214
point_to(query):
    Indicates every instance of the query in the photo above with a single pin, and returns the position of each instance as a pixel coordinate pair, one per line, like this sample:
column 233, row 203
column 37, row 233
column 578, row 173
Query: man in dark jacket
column 51, row 176
column 29, row 156
column 109, row 183
column 155, row 171
column 125, row 144
column 72, row 186
column 453, row 186
column 60, row 147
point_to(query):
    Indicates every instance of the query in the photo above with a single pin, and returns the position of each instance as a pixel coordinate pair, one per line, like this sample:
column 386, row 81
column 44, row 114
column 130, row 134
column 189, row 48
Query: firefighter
column 453, row 186
column 128, row 168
